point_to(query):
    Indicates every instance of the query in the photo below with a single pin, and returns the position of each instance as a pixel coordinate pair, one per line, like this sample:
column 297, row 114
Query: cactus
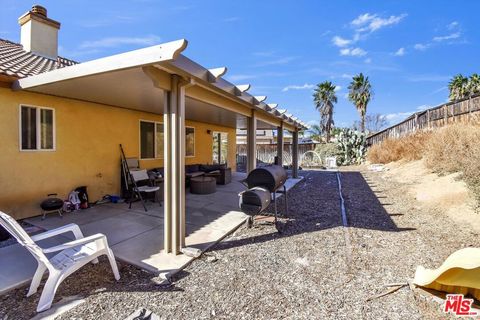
column 352, row 146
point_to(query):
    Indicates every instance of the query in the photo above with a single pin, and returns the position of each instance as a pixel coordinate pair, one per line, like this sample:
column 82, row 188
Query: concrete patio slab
column 117, row 229
column 136, row 236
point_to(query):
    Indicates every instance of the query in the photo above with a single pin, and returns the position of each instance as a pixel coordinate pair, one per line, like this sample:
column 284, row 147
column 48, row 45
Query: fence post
column 469, row 109
column 428, row 118
column 445, row 114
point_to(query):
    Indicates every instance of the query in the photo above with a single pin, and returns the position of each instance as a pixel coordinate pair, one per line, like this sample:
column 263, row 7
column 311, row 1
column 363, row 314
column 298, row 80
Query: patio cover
column 125, row 80
column 159, row 79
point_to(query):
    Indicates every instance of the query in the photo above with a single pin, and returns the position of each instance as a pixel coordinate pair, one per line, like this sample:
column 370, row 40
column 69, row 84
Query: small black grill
column 263, row 184
column 51, row 204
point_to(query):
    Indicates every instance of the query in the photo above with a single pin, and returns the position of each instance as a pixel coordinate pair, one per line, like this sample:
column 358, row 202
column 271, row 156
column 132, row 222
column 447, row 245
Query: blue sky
column 409, row 49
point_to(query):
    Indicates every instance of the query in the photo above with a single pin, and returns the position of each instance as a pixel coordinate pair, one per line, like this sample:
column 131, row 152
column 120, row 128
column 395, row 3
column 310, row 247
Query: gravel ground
column 307, row 272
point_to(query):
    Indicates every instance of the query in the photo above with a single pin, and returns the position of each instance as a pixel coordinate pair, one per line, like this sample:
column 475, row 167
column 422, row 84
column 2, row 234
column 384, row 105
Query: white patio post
column 295, row 153
column 280, row 144
column 252, row 142
column 174, row 166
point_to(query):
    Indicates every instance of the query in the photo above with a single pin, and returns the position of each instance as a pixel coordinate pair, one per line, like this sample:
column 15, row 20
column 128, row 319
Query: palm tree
column 324, row 97
column 474, row 84
column 360, row 93
column 315, row 132
column 458, row 87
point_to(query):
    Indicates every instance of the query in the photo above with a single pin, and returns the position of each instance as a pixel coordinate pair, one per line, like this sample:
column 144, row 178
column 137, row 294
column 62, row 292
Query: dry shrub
column 456, row 148
column 408, row 148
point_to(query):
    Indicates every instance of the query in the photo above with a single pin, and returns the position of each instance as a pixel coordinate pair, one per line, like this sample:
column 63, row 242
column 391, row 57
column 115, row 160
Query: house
column 61, row 122
column 263, row 136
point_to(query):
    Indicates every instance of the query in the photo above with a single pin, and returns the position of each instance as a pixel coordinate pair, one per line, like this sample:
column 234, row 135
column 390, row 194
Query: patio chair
column 72, row 256
column 141, row 177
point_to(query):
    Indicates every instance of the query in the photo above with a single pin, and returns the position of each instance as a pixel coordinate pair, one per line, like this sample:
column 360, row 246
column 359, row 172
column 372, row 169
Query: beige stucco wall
column 87, row 150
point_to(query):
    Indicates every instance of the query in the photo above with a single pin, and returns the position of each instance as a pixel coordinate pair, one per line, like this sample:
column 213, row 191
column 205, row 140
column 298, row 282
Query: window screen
column 29, row 128
column 46, row 129
column 147, row 140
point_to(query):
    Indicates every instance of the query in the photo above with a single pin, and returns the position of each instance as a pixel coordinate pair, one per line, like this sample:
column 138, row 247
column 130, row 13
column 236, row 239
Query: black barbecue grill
column 263, row 184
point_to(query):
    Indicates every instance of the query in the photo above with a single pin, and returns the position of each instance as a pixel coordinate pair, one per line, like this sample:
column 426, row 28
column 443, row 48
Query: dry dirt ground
column 307, row 272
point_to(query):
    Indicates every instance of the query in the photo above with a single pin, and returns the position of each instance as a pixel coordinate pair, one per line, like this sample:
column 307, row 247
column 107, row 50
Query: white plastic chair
column 142, row 176
column 72, row 256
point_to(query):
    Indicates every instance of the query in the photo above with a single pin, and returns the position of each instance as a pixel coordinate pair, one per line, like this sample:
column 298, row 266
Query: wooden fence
column 451, row 112
column 266, row 153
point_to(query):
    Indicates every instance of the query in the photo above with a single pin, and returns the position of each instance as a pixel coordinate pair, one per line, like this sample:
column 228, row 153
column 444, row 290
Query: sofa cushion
column 192, row 168
column 211, row 167
column 195, row 174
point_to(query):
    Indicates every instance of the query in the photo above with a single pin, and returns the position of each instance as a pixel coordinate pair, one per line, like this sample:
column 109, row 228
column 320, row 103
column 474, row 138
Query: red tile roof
column 16, row 62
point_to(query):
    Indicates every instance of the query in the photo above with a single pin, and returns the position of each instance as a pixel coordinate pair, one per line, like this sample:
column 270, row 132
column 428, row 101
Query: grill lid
column 271, row 177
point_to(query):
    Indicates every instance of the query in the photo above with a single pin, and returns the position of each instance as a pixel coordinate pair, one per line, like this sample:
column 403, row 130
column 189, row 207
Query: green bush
column 352, row 146
column 325, row 150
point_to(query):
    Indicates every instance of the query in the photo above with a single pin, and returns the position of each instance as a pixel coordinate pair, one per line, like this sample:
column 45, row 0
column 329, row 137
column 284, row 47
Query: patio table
column 203, row 185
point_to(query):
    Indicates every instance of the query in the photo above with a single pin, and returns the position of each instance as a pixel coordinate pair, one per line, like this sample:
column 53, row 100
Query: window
column 189, row 141
column 151, row 140
column 37, row 128
column 147, row 140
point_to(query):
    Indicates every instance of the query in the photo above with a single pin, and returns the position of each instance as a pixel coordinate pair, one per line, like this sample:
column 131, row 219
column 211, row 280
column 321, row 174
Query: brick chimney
column 39, row 34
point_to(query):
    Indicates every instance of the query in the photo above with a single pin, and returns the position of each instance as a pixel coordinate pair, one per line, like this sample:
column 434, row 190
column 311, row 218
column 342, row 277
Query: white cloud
column 264, row 53
column 395, row 117
column 423, row 107
column 452, row 25
column 438, row 90
column 428, row 78
column 355, row 52
column 297, row 87
column 111, row 42
column 341, row 42
column 399, row 116
column 277, row 61
column 338, row 88
column 400, row 52
column 368, row 60
column 105, row 21
column 451, row 36
column 346, row 76
column 231, row 19
column 363, row 19
column 421, row 46
column 372, row 22
column 240, row 77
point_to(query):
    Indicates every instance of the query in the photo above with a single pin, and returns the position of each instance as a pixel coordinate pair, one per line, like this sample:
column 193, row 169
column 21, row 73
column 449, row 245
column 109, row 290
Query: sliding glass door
column 220, row 147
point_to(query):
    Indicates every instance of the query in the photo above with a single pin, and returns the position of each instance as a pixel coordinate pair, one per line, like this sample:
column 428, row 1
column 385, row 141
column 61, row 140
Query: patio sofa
column 220, row 172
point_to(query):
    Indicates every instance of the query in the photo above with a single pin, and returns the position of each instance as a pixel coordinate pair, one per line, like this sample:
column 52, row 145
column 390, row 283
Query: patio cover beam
column 280, row 144
column 264, row 116
column 252, row 142
column 138, row 58
column 174, row 165
column 295, row 154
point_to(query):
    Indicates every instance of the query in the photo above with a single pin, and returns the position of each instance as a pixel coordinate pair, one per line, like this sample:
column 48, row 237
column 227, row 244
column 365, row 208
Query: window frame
column 154, row 139
column 155, row 142
column 194, row 141
column 38, row 133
